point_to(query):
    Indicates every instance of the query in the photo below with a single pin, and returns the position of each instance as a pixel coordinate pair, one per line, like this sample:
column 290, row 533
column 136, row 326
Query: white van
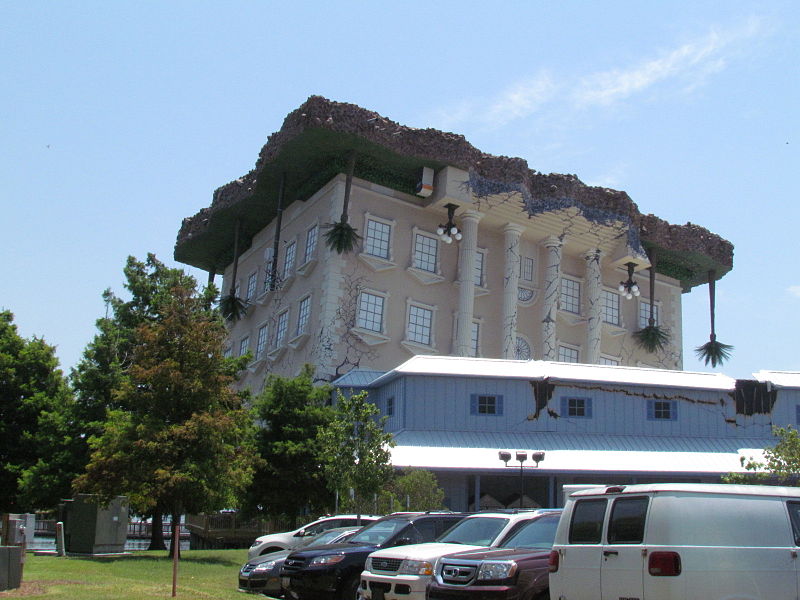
column 678, row 541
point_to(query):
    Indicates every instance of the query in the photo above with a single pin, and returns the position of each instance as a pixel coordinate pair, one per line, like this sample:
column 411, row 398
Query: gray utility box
column 92, row 528
column 10, row 567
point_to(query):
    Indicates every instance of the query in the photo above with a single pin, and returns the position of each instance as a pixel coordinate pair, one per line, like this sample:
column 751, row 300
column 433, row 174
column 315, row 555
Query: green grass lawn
column 202, row 574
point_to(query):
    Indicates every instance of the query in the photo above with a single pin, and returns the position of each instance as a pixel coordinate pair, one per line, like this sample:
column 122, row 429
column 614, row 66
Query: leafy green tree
column 417, row 489
column 181, row 440
column 30, row 384
column 781, row 464
column 291, row 412
column 356, row 450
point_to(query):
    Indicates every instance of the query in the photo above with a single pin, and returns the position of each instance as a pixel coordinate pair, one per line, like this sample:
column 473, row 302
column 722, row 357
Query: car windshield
column 538, row 533
column 378, row 532
column 475, row 531
column 327, row 537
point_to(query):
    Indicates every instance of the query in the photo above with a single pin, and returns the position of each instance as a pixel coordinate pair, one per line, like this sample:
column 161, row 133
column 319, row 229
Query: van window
column 794, row 515
column 587, row 521
column 626, row 525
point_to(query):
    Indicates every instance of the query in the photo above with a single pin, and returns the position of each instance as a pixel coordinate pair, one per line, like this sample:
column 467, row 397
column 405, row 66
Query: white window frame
column 252, row 284
column 360, row 324
column 479, row 274
column 568, row 348
column 561, row 296
column 375, row 261
column 475, row 338
column 262, row 341
column 303, row 319
column 308, row 255
column 413, row 307
column 610, row 361
column 289, row 259
column 369, row 245
column 523, row 261
column 604, row 294
column 244, row 345
column 281, row 328
column 431, row 239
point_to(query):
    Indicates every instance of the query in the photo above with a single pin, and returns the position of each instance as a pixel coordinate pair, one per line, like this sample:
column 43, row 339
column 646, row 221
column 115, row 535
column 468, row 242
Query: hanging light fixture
column 449, row 232
column 629, row 288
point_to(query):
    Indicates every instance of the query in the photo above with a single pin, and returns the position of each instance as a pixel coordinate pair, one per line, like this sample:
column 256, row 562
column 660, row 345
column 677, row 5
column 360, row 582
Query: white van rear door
column 624, row 562
column 581, row 558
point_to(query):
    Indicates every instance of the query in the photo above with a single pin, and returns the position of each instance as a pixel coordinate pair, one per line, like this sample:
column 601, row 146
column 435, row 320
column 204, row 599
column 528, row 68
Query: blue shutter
column 564, row 407
column 588, row 402
column 651, row 410
column 473, row 404
column 499, row 405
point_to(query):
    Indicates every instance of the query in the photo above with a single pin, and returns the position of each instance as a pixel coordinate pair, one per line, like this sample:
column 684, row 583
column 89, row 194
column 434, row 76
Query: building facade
column 591, row 423
column 460, row 253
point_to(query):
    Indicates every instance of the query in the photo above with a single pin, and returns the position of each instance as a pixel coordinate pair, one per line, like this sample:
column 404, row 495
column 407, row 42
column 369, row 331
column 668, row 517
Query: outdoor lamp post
column 629, row 288
column 521, row 456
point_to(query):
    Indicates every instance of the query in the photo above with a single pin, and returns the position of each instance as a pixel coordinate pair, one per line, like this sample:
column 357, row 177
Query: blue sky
column 118, row 119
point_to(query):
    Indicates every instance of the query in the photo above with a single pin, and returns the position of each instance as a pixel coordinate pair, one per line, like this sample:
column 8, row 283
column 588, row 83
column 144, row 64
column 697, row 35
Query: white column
column 510, row 283
column 466, row 279
column 552, row 282
column 594, row 288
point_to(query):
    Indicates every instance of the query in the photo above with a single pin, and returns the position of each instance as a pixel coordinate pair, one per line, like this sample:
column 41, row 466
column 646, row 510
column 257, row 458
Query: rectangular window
column 251, row 285
column 370, row 312
column 626, row 524
column 479, row 275
column 662, row 410
column 570, row 295
column 586, row 526
column 567, row 354
column 389, row 407
column 288, row 260
column 526, row 268
column 610, row 307
column 377, row 239
column 644, row 314
column 303, row 314
column 280, row 330
column 485, row 404
column 311, row 243
column 475, row 338
column 611, row 362
column 580, row 408
column 794, row 517
column 244, row 345
column 227, row 352
column 419, row 325
column 425, row 251
column 261, row 342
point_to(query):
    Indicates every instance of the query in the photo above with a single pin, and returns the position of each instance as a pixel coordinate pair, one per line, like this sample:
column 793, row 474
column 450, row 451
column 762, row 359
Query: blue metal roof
column 357, row 378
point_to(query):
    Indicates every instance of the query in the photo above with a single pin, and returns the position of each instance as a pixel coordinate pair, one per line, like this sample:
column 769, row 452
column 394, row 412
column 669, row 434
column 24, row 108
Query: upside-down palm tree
column 712, row 351
column 341, row 236
column 231, row 306
column 653, row 337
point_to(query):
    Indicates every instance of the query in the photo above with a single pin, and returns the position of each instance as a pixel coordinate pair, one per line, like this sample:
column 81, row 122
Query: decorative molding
column 298, row 341
column 424, row 277
column 307, row 267
column 417, row 348
column 371, row 338
column 376, row 263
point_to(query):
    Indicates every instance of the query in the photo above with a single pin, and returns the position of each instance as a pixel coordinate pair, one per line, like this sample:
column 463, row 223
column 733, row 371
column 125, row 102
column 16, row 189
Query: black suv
column 334, row 571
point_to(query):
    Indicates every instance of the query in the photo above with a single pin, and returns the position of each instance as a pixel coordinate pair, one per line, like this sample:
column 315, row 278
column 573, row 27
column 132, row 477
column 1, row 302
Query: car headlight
column 497, row 570
column 368, row 564
column 328, row 559
column 415, row 567
column 266, row 566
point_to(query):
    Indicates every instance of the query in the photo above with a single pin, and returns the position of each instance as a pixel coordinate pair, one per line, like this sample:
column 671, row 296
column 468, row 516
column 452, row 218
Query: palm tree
column 231, row 306
column 653, row 337
column 712, row 351
column 341, row 236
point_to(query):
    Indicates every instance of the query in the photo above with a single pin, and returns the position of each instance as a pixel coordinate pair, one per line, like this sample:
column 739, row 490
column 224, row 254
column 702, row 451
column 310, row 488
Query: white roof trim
column 475, row 459
column 788, row 379
column 559, row 371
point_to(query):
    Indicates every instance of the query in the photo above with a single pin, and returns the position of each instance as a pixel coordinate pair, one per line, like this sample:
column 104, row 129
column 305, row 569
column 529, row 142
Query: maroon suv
column 516, row 572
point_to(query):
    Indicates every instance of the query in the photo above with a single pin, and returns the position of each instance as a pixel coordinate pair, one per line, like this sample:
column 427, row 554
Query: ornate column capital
column 552, row 241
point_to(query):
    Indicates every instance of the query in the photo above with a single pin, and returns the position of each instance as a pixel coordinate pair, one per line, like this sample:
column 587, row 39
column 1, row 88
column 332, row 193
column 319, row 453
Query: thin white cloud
column 521, row 99
column 692, row 61
column 794, row 290
column 685, row 67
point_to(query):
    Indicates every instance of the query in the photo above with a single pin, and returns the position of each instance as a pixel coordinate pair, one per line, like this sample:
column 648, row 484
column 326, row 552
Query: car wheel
column 350, row 589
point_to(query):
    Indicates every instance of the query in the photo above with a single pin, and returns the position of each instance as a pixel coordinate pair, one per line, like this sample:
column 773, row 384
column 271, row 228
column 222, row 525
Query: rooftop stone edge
column 453, row 149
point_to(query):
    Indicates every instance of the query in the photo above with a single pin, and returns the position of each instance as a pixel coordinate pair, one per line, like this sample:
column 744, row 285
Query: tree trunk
column 712, row 282
column 157, row 532
column 348, row 183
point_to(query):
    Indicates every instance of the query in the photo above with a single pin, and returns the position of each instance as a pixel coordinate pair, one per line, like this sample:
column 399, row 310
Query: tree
column 291, row 411
column 181, row 440
column 355, row 450
column 417, row 489
column 30, row 383
column 781, row 464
